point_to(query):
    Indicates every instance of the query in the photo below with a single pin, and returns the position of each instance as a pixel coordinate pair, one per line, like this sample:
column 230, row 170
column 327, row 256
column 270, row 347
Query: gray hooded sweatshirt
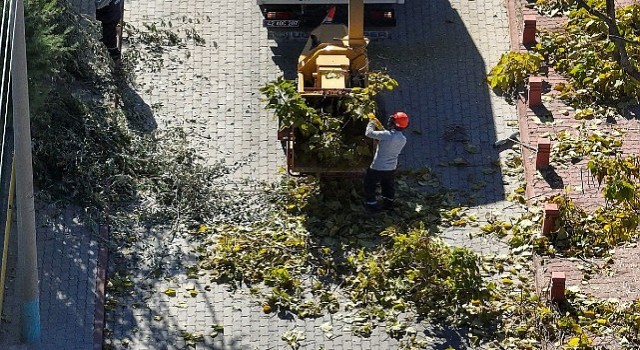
column 102, row 3
column 390, row 145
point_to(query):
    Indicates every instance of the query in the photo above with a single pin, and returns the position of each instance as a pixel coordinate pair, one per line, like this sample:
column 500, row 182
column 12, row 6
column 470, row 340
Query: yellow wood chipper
column 333, row 61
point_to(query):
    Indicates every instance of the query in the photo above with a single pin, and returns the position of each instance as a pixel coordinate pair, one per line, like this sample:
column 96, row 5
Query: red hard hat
column 401, row 119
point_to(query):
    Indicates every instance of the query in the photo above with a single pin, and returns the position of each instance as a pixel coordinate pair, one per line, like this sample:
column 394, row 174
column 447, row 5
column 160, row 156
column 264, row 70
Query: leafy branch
column 512, row 71
column 327, row 129
column 609, row 19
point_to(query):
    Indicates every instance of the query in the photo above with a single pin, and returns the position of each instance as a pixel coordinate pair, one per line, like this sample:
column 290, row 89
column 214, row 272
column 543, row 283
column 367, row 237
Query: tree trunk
column 613, row 29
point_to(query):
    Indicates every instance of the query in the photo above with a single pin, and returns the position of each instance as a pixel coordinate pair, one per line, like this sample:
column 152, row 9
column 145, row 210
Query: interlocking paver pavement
column 440, row 53
column 67, row 269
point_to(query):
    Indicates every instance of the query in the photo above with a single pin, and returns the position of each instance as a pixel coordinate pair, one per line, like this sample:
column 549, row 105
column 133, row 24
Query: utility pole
column 27, row 252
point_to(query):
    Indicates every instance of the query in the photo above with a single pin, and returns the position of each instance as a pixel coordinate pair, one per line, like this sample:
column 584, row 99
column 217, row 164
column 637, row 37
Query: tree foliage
column 513, row 70
column 587, row 54
column 50, row 46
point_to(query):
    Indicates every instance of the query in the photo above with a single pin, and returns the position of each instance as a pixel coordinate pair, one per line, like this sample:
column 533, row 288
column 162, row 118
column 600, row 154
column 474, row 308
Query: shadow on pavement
column 442, row 87
column 138, row 113
column 285, row 53
column 66, row 268
column 441, row 73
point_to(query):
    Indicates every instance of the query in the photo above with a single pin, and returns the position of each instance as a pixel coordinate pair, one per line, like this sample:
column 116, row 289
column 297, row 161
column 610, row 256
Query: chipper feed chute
column 335, row 57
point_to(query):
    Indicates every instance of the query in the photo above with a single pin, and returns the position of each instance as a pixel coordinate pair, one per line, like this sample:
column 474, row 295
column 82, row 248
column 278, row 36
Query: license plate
column 290, row 35
column 281, row 23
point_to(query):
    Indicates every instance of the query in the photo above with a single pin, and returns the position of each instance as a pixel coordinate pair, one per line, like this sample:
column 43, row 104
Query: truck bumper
column 310, row 16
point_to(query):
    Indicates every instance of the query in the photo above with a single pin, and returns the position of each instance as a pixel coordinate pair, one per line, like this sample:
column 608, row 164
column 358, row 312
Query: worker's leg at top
column 371, row 180
column 110, row 38
column 388, row 185
column 110, row 17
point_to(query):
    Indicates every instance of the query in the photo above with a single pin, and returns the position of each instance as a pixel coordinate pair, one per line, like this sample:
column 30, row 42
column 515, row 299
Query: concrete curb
column 101, row 278
column 523, row 127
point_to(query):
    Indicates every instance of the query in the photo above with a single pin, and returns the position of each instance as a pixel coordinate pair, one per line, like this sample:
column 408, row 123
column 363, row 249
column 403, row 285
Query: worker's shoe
column 115, row 54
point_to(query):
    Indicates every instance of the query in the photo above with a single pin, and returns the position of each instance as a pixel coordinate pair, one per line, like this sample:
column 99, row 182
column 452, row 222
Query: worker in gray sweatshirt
column 383, row 167
column 109, row 13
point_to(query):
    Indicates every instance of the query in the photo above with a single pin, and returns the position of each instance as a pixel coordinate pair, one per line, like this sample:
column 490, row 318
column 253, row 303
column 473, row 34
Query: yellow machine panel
column 335, row 56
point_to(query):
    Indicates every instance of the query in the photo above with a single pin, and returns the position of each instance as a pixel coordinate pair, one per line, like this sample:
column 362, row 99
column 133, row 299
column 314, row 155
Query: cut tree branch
column 614, row 34
column 630, row 42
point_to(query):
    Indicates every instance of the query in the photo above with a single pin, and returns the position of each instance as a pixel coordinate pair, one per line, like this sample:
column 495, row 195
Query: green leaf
column 574, row 342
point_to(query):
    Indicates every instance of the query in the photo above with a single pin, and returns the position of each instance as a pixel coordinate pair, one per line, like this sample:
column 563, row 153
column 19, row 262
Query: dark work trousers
column 385, row 178
column 110, row 17
column 110, row 34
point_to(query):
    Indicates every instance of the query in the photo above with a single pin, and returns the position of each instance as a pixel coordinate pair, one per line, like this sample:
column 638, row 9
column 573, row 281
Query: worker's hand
column 375, row 121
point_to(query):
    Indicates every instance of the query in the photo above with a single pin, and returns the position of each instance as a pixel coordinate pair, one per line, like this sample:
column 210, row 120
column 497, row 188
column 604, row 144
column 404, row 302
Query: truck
column 332, row 63
column 310, row 13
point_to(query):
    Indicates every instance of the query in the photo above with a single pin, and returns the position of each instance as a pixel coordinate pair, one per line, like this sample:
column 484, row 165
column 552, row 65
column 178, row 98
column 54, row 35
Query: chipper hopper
column 333, row 61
